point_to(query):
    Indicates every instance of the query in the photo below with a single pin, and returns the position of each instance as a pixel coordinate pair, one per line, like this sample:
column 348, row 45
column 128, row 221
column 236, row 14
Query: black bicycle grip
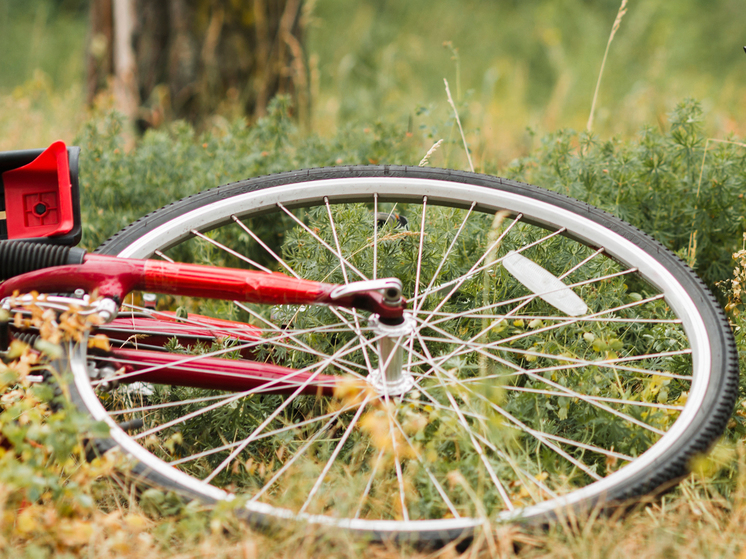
column 18, row 257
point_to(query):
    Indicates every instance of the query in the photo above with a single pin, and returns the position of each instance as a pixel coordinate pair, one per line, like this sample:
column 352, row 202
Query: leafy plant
column 662, row 182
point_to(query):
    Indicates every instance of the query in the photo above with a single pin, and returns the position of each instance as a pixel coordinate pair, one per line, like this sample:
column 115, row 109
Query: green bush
column 118, row 187
column 659, row 182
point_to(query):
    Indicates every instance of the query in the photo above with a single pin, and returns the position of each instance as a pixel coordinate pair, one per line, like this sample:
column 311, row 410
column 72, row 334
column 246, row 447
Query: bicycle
column 441, row 348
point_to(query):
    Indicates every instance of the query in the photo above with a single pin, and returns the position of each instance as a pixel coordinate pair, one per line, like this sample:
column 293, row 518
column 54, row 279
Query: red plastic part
column 38, row 196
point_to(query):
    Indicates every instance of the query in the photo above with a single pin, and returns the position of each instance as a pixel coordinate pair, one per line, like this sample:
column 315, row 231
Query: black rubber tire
column 711, row 418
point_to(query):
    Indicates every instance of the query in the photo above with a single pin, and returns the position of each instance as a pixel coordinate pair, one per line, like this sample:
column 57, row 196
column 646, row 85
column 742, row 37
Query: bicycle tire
column 706, row 407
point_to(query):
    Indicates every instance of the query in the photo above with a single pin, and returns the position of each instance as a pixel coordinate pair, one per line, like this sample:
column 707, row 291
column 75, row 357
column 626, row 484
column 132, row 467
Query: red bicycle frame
column 117, row 277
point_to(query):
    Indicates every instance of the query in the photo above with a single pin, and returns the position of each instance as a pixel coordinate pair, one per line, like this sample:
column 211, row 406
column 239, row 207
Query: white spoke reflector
column 544, row 284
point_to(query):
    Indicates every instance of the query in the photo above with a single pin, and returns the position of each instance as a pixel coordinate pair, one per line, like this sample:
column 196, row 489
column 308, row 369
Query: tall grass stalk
column 425, row 160
column 458, row 121
column 614, row 28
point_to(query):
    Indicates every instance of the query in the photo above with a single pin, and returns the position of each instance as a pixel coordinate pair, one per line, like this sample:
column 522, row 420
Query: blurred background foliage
column 522, row 75
column 42, row 35
column 512, row 64
column 530, row 63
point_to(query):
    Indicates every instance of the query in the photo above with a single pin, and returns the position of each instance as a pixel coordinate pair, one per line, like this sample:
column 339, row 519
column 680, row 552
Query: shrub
column 660, row 181
column 119, row 187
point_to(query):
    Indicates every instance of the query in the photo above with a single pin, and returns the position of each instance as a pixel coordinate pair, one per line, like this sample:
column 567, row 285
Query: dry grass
column 692, row 523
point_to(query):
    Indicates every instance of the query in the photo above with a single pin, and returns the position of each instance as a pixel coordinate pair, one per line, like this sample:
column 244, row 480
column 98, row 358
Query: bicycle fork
column 110, row 279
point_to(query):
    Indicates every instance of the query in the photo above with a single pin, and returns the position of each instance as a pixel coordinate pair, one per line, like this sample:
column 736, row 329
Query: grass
column 523, row 65
column 54, row 503
column 177, row 161
column 93, row 514
column 172, row 162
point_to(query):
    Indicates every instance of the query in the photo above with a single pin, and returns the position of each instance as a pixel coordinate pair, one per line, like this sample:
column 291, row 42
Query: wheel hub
column 390, row 377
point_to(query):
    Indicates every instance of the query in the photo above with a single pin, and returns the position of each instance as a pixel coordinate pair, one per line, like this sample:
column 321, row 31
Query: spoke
column 243, row 375
column 655, row 355
column 321, row 241
column 302, row 345
column 531, row 297
column 243, row 394
column 445, row 256
column 194, row 414
column 230, row 251
column 334, row 455
column 294, row 273
column 337, row 253
column 478, row 447
column 568, row 391
column 518, row 470
column 595, row 398
column 491, row 258
column 572, row 362
column 321, row 367
column 217, row 353
column 240, row 328
column 458, row 282
column 417, row 275
column 423, row 464
column 593, row 448
column 419, row 252
column 610, row 453
column 342, row 262
column 564, row 319
column 375, row 240
column 465, row 346
column 397, row 462
column 264, row 246
column 336, row 240
column 286, row 266
column 297, row 455
column 536, row 434
column 522, row 426
column 550, row 327
column 170, row 404
column 377, row 463
column 166, row 258
column 435, row 404
column 476, row 268
column 184, row 361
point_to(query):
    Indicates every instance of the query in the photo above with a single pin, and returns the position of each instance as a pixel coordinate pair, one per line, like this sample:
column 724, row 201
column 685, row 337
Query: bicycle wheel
column 554, row 359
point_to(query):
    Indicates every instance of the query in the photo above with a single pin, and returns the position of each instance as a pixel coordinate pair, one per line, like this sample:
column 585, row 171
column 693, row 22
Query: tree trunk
column 100, row 52
column 125, row 76
column 191, row 58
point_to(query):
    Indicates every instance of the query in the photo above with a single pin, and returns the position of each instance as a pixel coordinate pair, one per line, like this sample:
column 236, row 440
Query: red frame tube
column 116, row 277
column 219, row 374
